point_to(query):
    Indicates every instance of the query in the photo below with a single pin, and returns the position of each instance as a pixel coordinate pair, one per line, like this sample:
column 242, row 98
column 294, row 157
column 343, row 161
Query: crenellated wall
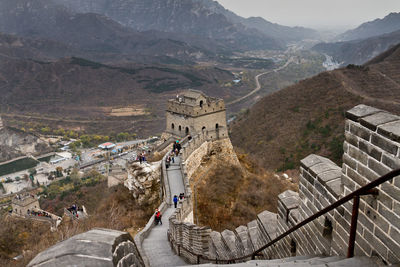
column 371, row 149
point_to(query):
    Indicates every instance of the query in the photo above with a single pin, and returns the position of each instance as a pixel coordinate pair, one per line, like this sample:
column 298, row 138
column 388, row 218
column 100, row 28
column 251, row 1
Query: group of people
column 74, row 210
column 176, row 148
column 142, row 157
column 38, row 213
column 176, row 199
column 169, row 159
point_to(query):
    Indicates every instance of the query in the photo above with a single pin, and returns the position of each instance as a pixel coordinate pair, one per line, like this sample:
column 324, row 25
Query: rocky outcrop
column 15, row 143
column 141, row 179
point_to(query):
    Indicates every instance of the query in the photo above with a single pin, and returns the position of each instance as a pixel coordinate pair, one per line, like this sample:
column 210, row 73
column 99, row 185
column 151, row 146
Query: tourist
column 157, row 217
column 181, row 196
column 140, row 158
column 175, row 201
column 172, row 157
column 167, row 161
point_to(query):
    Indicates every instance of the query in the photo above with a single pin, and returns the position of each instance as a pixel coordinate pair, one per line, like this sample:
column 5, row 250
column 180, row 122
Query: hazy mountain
column 93, row 34
column 86, row 92
column 305, row 118
column 359, row 51
column 388, row 24
column 204, row 18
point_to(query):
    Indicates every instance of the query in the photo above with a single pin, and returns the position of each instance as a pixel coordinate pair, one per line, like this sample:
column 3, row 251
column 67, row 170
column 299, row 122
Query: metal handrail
column 365, row 190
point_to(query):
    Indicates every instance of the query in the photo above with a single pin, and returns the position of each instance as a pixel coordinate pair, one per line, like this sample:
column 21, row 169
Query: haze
column 318, row 14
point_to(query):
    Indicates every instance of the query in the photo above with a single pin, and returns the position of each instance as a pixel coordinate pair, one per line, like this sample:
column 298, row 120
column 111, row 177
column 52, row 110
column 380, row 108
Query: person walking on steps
column 157, row 217
column 175, row 201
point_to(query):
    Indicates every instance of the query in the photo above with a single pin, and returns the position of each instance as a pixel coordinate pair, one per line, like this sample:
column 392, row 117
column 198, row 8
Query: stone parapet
column 371, row 149
column 97, row 247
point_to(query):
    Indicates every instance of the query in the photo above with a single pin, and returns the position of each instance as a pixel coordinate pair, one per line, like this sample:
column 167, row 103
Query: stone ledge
column 94, row 247
column 373, row 121
column 390, row 130
column 360, row 111
column 312, row 160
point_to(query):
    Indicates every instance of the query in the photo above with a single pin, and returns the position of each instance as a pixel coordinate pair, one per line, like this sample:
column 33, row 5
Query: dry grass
column 231, row 195
column 308, row 117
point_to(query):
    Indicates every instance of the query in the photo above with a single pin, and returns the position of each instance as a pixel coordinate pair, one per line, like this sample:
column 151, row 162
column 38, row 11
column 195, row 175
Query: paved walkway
column 156, row 245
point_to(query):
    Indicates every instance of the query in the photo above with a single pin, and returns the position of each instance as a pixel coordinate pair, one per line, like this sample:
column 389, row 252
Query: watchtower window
column 187, row 130
column 201, row 103
column 216, row 126
column 203, row 129
column 180, row 128
column 172, row 126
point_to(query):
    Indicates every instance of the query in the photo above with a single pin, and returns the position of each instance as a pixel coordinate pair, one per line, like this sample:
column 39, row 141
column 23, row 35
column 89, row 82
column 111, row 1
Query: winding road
column 258, row 85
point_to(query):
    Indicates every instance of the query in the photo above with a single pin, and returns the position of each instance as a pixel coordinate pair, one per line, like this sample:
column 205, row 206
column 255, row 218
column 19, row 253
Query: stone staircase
column 317, row 261
column 244, row 239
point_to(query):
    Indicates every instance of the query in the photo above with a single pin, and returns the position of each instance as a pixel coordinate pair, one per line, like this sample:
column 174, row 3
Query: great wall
column 371, row 150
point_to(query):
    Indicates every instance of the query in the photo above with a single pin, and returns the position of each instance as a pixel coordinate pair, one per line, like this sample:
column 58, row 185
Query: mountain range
column 91, row 35
column 389, row 23
column 359, row 51
column 308, row 117
column 361, row 44
column 205, row 18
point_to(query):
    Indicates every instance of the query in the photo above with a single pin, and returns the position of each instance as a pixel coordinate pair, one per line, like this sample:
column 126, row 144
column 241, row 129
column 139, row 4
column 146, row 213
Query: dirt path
column 258, row 85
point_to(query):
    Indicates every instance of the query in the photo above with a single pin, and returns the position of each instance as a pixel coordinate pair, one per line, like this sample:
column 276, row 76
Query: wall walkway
column 156, row 246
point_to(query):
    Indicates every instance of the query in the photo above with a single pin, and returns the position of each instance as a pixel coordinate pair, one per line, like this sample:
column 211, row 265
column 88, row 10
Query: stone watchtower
column 192, row 112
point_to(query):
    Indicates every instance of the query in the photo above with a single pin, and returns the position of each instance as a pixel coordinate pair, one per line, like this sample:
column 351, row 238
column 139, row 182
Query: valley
column 110, row 107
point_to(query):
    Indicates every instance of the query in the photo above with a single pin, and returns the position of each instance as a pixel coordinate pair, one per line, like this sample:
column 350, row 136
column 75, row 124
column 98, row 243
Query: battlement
column 193, row 112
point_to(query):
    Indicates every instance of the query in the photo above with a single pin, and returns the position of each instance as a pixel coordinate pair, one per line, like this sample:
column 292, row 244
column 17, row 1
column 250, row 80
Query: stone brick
column 310, row 160
column 390, row 130
column 351, row 139
column 371, row 150
column 364, row 220
column 349, row 183
column 373, row 121
column 391, row 162
column 308, row 177
column 394, row 247
column 389, row 215
column 334, row 187
column 358, row 155
column 364, row 244
column 360, row 131
column 356, row 177
column 366, row 172
column 329, row 175
column 378, row 247
column 384, row 144
column 391, row 190
column 323, row 167
column 385, row 199
column 349, row 161
column 396, row 207
column 378, row 167
column 361, row 111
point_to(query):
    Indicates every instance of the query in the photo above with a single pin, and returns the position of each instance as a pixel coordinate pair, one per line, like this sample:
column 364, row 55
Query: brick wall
column 371, row 149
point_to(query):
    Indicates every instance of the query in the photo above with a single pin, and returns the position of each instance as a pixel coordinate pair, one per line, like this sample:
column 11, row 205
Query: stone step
column 221, row 250
column 243, row 237
column 257, row 237
column 233, row 243
column 268, row 223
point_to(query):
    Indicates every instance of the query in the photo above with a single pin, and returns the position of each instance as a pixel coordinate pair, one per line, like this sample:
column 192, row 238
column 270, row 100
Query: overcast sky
column 333, row 14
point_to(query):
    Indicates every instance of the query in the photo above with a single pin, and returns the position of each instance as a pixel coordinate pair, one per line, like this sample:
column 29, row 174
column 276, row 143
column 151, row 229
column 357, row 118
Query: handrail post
column 353, row 227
